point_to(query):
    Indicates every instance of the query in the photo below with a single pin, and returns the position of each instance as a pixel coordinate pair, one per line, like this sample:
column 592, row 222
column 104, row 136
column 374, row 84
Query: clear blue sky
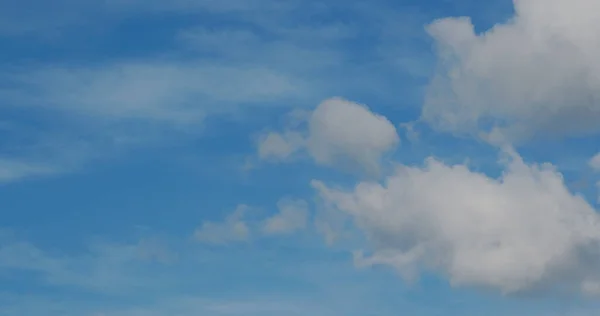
column 236, row 157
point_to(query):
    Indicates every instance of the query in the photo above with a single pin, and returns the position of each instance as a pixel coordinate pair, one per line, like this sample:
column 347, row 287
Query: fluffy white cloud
column 292, row 216
column 339, row 129
column 339, row 132
column 537, row 74
column 232, row 229
column 524, row 231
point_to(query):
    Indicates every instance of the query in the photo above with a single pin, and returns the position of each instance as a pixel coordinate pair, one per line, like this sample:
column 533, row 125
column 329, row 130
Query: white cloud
column 233, row 229
column 595, row 162
column 537, row 74
column 339, row 132
column 292, row 217
column 339, row 128
column 410, row 132
column 524, row 231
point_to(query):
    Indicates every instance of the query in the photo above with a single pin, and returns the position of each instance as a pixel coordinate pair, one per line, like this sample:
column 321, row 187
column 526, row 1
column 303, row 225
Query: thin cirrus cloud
column 106, row 268
column 38, row 18
column 270, row 62
column 166, row 92
column 127, row 103
column 15, row 169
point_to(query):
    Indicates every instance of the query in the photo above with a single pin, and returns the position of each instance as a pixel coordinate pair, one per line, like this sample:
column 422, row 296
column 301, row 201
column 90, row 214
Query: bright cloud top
column 339, row 131
column 535, row 74
column 521, row 232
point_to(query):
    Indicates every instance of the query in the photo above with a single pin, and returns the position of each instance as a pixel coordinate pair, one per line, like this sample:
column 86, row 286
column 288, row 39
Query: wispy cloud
column 12, row 170
column 163, row 92
column 141, row 278
column 250, row 54
column 105, row 268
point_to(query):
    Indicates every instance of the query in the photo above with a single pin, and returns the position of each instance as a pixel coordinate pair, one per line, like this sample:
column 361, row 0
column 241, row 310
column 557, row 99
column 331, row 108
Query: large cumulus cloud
column 521, row 232
column 537, row 74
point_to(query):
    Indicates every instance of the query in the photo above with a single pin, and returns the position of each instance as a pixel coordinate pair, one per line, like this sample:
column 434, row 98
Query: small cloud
column 167, row 92
column 232, row 230
column 155, row 250
column 340, row 132
column 292, row 217
column 595, row 162
column 411, row 133
column 279, row 147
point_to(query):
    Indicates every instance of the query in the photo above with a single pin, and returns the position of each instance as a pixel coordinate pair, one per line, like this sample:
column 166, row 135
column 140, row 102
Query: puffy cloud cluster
column 537, row 74
column 522, row 232
column 339, row 131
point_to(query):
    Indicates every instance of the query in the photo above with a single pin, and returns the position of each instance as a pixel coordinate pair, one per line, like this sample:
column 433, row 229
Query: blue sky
column 236, row 157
